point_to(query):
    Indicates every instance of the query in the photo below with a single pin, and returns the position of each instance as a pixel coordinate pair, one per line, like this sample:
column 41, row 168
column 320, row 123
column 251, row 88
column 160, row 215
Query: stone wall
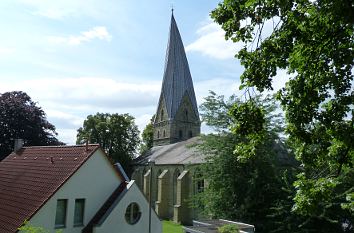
column 184, row 125
column 172, row 188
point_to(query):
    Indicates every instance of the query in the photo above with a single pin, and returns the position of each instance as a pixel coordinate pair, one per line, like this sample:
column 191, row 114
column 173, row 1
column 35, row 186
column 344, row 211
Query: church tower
column 177, row 116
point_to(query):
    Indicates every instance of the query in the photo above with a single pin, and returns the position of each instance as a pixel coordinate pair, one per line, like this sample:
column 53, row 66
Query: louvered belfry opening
column 177, row 112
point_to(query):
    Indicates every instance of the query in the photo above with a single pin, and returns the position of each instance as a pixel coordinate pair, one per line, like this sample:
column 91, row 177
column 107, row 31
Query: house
column 172, row 164
column 71, row 188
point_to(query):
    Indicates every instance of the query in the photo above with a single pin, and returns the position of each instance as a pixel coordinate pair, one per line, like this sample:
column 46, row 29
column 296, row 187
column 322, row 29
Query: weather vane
column 172, row 8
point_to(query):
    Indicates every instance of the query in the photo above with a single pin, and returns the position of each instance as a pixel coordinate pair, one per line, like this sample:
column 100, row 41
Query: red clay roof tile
column 31, row 176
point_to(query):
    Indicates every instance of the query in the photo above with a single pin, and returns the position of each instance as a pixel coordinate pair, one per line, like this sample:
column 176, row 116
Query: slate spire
column 177, row 116
column 177, row 79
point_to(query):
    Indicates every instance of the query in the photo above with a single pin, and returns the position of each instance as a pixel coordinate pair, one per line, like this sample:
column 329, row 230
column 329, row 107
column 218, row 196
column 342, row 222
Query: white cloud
column 68, row 101
column 100, row 33
column 220, row 86
column 212, row 43
column 63, row 8
column 67, row 136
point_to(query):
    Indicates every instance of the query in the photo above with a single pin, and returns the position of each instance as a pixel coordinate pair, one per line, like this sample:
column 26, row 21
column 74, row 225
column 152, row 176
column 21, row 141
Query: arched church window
column 190, row 134
column 162, row 115
column 180, row 134
column 186, row 112
column 157, row 185
column 158, row 134
column 164, row 133
column 174, row 185
column 198, row 181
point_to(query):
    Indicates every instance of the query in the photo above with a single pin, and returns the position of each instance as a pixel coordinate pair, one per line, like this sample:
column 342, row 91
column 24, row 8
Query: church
column 168, row 174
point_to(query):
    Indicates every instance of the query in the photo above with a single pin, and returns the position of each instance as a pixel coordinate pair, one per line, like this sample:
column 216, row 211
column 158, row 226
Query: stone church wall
column 171, row 193
column 186, row 123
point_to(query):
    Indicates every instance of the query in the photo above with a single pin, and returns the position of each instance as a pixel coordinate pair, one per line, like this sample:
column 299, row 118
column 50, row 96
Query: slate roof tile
column 177, row 79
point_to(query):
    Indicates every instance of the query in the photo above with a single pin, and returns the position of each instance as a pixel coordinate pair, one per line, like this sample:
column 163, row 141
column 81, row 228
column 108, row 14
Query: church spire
column 177, row 79
column 177, row 102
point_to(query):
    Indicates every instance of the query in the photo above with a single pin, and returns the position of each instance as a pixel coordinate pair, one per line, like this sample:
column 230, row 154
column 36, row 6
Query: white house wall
column 117, row 216
column 95, row 181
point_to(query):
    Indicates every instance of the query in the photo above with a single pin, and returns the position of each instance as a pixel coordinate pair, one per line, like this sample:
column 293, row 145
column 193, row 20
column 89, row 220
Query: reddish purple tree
column 21, row 118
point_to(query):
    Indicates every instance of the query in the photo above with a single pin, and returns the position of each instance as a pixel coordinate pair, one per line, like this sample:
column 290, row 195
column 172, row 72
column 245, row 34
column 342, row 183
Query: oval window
column 132, row 213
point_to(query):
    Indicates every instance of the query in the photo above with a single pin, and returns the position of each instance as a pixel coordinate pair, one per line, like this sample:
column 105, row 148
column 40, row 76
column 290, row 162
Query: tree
column 147, row 137
column 242, row 189
column 116, row 133
column 21, row 118
column 313, row 41
column 28, row 228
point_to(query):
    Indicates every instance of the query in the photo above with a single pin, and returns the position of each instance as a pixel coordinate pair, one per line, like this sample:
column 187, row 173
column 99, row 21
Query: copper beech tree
column 21, row 118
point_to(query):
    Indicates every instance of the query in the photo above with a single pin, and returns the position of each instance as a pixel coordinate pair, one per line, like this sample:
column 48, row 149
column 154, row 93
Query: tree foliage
column 116, row 133
column 313, row 41
column 228, row 228
column 147, row 137
column 28, row 228
column 242, row 189
column 21, row 118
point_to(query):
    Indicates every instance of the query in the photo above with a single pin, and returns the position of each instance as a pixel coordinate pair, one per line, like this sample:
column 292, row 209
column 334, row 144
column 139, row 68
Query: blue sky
column 81, row 57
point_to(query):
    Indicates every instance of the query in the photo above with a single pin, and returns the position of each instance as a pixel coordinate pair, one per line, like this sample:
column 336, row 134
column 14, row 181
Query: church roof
column 177, row 79
column 184, row 152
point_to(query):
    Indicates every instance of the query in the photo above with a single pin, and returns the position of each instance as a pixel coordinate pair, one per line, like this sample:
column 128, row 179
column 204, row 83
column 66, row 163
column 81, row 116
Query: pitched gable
column 31, row 176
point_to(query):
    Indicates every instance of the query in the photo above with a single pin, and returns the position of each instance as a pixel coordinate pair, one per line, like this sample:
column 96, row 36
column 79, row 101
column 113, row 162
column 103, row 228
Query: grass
column 171, row 227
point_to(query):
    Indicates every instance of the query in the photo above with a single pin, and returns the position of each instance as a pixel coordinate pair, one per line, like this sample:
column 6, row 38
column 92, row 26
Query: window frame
column 75, row 223
column 65, row 212
column 129, row 211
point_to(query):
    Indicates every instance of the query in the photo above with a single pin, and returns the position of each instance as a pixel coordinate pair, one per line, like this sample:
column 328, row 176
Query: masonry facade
column 169, row 172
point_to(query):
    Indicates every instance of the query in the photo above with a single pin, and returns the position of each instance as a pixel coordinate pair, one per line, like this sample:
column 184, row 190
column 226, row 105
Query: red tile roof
column 31, row 176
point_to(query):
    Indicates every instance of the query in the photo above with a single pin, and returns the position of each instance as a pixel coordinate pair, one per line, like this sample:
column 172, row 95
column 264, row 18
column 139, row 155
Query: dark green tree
column 314, row 42
column 116, row 133
column 21, row 118
column 243, row 189
column 147, row 137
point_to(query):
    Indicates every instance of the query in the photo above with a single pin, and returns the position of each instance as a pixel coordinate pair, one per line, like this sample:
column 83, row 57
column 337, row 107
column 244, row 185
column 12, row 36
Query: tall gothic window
column 180, row 134
column 186, row 112
column 158, row 134
column 164, row 133
column 190, row 133
column 161, row 117
column 157, row 184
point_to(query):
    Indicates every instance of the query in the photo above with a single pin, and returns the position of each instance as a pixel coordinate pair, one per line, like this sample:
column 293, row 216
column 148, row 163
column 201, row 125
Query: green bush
column 229, row 228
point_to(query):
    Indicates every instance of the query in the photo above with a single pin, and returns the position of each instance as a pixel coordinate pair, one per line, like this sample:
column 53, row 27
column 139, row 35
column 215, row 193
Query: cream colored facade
column 95, row 181
column 115, row 221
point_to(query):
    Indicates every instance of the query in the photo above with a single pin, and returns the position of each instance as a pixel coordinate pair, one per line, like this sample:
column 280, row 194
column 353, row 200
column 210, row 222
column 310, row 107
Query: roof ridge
column 62, row 146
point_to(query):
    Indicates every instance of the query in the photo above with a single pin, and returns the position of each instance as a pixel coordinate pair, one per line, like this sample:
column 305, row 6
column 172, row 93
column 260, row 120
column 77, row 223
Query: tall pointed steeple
column 177, row 116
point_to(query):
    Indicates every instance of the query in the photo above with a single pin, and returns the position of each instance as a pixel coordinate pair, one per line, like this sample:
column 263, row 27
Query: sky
column 79, row 57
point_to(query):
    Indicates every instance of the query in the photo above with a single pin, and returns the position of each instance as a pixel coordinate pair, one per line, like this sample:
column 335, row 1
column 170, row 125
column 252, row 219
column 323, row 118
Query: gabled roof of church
column 177, row 79
column 184, row 152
